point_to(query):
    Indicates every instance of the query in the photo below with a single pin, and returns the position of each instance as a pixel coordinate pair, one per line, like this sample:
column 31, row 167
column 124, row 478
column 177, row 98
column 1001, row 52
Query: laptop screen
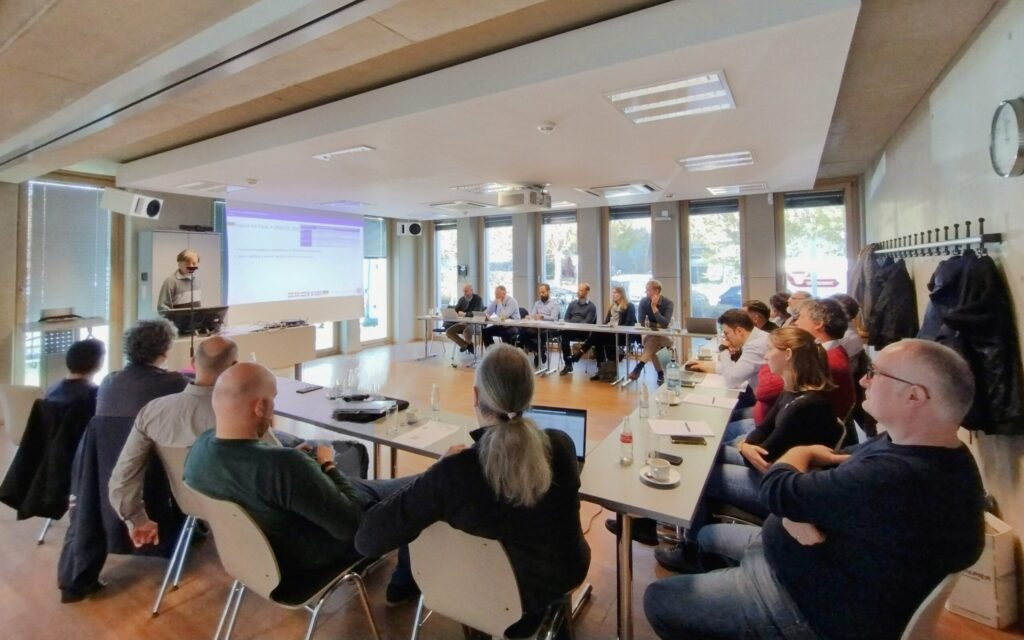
column 573, row 422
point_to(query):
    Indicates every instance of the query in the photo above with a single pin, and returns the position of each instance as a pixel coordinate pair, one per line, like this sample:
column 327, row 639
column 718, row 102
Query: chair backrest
column 174, row 465
column 922, row 623
column 466, row 578
column 244, row 551
column 842, row 433
column 15, row 408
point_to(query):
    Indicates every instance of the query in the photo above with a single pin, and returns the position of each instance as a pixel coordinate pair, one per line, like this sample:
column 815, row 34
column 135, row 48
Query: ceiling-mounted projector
column 524, row 200
column 131, row 204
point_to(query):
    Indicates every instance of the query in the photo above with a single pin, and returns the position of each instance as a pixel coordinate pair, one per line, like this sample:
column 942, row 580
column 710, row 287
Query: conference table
column 540, row 326
column 604, row 480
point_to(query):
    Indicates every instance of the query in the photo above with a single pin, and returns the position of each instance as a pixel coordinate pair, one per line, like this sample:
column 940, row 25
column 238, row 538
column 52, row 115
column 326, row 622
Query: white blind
column 375, row 238
column 68, row 250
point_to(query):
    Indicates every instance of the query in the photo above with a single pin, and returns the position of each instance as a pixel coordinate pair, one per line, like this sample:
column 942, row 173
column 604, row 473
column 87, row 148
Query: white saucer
column 673, row 478
column 672, row 402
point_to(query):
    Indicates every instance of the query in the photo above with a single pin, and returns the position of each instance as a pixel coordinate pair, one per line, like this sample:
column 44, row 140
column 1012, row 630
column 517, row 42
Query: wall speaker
column 410, row 229
column 131, row 204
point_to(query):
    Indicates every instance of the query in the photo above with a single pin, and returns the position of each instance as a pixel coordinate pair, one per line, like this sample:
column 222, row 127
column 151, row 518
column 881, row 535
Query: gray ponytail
column 514, row 453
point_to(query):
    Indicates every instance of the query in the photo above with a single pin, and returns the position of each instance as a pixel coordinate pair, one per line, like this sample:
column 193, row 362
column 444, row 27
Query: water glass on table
column 391, row 420
column 435, row 401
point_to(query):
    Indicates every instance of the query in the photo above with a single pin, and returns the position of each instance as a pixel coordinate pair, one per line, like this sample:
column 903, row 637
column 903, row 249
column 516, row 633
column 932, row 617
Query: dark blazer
column 660, row 319
column 544, row 543
column 894, row 313
column 476, row 303
column 627, row 317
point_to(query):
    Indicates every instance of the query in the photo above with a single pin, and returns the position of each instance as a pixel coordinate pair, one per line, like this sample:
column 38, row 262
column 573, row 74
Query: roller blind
column 68, row 250
column 699, row 207
column 630, row 212
column 375, row 238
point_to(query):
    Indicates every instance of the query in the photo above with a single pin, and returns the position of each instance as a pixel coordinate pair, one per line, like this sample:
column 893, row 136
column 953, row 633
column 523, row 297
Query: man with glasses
column 873, row 528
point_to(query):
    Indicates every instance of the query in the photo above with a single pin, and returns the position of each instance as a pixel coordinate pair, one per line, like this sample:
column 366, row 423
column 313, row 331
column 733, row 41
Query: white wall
column 936, row 171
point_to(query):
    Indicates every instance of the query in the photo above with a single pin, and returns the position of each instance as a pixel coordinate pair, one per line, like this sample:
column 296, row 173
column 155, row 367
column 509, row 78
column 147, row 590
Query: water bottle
column 435, row 401
column 626, row 444
column 673, row 377
column 644, row 403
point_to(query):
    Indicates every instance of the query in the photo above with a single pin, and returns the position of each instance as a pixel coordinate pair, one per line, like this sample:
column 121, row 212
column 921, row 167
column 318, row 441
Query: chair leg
column 227, row 607
column 234, row 611
column 357, row 579
column 46, row 527
column 418, row 620
column 313, row 617
column 190, row 527
column 171, row 564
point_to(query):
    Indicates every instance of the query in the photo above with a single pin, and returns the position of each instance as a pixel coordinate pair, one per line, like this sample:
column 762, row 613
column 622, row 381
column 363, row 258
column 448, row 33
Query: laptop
column 572, row 422
column 449, row 313
column 707, row 326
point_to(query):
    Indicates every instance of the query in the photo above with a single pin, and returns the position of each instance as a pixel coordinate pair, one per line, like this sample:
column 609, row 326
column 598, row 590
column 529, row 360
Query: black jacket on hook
column 894, row 309
column 970, row 311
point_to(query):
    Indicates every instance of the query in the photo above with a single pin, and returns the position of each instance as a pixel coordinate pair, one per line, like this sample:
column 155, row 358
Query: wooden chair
column 470, row 580
column 15, row 407
column 247, row 557
column 173, row 459
column 922, row 623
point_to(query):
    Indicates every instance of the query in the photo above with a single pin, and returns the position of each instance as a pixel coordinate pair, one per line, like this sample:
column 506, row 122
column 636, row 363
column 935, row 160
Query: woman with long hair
column 516, row 483
column 621, row 312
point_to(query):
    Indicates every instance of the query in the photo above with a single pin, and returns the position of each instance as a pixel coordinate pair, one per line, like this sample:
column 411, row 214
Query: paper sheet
column 710, row 401
column 681, row 428
column 427, row 434
column 713, row 381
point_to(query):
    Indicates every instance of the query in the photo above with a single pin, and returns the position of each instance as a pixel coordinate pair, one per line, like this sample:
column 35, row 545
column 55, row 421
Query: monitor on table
column 200, row 320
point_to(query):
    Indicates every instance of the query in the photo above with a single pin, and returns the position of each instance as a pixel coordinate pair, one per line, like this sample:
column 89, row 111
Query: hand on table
column 702, row 367
column 803, row 532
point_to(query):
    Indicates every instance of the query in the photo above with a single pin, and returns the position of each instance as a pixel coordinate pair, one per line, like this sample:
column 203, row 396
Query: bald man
column 875, row 527
column 170, row 421
column 306, row 507
column 796, row 302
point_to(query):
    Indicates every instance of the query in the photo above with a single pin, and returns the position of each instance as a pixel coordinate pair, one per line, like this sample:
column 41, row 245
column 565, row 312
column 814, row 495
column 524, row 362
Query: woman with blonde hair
column 802, row 415
column 516, row 483
column 621, row 312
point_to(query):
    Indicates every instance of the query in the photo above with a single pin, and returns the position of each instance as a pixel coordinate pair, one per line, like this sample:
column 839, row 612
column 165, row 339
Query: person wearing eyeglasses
column 181, row 289
column 875, row 527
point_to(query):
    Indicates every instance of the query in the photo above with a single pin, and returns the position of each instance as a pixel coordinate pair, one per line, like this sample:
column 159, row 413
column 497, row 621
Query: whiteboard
column 158, row 251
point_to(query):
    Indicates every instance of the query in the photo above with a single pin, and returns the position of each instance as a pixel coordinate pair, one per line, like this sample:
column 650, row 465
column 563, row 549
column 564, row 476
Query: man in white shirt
column 545, row 308
column 504, row 307
column 741, row 336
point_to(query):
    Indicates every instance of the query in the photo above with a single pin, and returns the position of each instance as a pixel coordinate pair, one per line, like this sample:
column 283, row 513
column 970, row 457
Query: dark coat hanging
column 894, row 310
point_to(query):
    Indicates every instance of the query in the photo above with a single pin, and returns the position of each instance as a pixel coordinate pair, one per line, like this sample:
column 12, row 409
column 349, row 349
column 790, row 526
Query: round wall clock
column 1007, row 144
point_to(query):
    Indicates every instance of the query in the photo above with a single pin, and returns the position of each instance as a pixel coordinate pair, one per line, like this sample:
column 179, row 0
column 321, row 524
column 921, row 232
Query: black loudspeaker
column 410, row 229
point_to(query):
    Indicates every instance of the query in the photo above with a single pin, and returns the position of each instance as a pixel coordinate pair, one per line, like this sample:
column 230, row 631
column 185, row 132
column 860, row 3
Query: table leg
column 394, row 462
column 376, row 461
column 426, row 343
column 624, row 572
column 615, row 356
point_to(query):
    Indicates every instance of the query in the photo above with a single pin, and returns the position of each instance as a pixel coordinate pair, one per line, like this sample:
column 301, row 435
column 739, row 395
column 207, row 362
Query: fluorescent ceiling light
column 460, row 206
column 211, row 187
column 564, row 204
column 621, row 190
column 346, row 203
column 490, row 187
column 717, row 161
column 738, row 189
column 326, row 157
column 703, row 93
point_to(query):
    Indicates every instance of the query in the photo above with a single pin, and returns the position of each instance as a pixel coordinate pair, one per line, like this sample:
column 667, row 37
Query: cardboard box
column 987, row 592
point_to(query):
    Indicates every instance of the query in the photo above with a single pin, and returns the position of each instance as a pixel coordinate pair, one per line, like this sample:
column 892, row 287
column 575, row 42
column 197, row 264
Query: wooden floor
column 29, row 600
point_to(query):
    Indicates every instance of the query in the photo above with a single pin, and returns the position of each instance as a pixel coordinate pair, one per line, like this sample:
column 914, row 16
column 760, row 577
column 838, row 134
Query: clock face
column 1006, row 148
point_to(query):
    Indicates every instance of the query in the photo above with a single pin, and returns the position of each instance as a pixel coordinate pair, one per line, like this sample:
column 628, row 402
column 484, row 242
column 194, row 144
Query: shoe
column 463, row 349
column 472, row 349
column 67, row 596
column 645, row 530
column 637, row 370
column 681, row 558
column 397, row 594
column 595, row 377
column 536, row 361
column 577, row 351
column 567, row 369
column 661, row 378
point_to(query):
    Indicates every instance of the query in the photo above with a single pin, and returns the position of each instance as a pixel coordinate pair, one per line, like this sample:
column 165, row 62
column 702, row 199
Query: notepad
column 680, row 427
column 427, row 434
column 719, row 402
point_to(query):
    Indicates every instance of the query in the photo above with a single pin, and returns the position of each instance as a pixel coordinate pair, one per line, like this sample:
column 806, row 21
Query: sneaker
column 596, row 377
column 577, row 351
column 67, row 596
column 567, row 369
column 536, row 361
column 637, row 370
column 397, row 594
column 645, row 530
column 681, row 558
column 470, row 348
column 463, row 349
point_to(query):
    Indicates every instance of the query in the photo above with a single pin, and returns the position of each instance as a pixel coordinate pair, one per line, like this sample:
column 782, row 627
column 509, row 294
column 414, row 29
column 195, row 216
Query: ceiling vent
column 207, row 186
column 460, row 206
column 622, row 190
column 525, row 200
column 738, row 189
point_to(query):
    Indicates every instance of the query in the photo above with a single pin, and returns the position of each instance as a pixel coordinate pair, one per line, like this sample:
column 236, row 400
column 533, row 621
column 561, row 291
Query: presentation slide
column 288, row 255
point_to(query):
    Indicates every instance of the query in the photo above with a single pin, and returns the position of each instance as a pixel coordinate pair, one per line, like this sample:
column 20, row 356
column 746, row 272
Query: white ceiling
column 477, row 122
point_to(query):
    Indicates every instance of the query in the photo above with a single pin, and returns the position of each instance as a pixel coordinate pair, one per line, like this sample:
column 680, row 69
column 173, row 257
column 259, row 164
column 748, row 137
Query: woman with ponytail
column 516, row 484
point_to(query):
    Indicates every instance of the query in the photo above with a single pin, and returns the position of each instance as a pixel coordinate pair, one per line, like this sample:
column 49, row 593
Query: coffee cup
column 659, row 469
column 639, row 326
column 412, row 416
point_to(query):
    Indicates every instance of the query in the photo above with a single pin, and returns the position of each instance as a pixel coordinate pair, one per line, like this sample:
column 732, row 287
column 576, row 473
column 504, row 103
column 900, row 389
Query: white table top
column 572, row 326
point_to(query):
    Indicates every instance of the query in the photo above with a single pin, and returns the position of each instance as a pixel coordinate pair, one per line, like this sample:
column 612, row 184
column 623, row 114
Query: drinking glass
column 435, row 401
column 391, row 419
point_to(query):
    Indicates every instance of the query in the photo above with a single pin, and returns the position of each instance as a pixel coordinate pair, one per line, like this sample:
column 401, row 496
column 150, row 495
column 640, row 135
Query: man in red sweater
column 826, row 320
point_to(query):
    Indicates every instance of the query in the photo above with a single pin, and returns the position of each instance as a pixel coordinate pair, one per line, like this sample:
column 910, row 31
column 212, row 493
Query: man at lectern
column 181, row 289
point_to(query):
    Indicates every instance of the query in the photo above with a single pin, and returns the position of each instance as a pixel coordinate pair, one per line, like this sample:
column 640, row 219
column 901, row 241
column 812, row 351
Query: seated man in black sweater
column 84, row 360
column 307, row 509
column 856, row 540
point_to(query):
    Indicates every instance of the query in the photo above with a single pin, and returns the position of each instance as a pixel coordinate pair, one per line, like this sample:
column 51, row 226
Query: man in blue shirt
column 580, row 311
column 545, row 308
column 504, row 307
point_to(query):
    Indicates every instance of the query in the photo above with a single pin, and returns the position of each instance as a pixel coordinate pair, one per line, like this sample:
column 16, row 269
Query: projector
column 131, row 204
column 525, row 200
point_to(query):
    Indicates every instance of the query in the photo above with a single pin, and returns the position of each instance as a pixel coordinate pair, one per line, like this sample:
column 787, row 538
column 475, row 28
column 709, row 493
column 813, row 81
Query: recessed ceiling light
column 326, row 157
column 352, row 204
column 460, row 206
column 717, row 161
column 702, row 93
column 564, row 204
column 490, row 187
column 208, row 186
column 621, row 190
column 738, row 189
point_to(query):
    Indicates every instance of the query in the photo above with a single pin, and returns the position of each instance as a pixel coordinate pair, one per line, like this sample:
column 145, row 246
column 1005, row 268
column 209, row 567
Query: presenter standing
column 181, row 289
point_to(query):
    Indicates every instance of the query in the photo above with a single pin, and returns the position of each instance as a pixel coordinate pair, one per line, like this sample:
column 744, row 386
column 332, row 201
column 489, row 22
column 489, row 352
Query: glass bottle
column 626, row 444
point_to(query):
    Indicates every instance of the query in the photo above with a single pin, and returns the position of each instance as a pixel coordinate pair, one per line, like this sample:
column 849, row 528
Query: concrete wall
column 757, row 228
column 666, row 253
column 524, row 263
column 593, row 267
column 936, row 171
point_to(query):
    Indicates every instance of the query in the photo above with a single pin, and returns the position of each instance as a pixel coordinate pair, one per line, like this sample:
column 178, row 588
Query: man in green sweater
column 307, row 509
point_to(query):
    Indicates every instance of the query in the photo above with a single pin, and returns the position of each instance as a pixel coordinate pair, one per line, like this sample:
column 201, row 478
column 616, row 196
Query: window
column 68, row 265
column 498, row 249
column 715, row 285
column 326, row 338
column 561, row 256
column 374, row 325
column 446, row 263
column 629, row 249
column 814, row 228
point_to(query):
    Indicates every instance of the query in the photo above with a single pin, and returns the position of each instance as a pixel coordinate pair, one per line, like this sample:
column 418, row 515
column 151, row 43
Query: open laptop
column 449, row 313
column 572, row 422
